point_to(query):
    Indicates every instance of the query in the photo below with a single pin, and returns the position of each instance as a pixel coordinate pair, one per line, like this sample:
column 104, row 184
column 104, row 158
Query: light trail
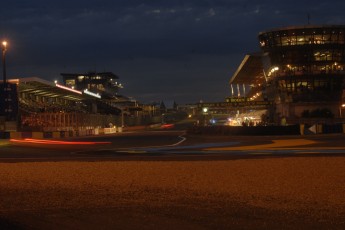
column 52, row 142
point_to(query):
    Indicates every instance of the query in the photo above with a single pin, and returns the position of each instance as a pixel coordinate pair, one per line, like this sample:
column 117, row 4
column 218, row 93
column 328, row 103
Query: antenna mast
column 308, row 18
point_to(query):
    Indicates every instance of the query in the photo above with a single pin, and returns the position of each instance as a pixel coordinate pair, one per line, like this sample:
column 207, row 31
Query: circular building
column 304, row 71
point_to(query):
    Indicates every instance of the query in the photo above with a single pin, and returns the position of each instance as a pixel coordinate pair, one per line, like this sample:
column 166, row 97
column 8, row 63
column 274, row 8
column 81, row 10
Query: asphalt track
column 170, row 145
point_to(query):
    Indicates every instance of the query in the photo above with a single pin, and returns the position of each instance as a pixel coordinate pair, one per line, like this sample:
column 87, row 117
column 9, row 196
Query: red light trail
column 52, row 142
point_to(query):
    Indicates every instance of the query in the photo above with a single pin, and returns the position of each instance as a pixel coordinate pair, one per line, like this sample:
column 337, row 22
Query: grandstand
column 48, row 106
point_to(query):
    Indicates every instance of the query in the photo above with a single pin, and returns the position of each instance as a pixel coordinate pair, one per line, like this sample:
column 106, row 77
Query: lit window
column 70, row 82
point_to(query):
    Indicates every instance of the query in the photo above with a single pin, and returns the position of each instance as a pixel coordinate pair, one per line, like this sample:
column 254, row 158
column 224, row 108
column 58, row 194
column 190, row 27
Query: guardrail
column 299, row 129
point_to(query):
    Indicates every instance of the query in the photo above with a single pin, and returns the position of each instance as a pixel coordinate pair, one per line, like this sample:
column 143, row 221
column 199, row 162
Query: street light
column 4, row 49
column 205, row 110
column 4, row 83
column 340, row 110
column 341, row 107
column 122, row 118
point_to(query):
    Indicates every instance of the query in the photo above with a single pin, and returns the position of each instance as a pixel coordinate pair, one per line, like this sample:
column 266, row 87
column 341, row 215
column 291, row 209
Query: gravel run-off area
column 210, row 194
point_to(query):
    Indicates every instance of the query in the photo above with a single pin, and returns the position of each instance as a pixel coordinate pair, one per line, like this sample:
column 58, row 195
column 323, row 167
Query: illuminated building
column 301, row 70
column 105, row 84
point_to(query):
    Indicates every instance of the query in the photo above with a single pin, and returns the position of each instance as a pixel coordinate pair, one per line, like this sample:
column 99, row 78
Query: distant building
column 106, row 84
column 82, row 102
column 300, row 69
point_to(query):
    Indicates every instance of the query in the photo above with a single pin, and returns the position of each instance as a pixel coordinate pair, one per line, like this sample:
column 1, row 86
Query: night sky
column 162, row 50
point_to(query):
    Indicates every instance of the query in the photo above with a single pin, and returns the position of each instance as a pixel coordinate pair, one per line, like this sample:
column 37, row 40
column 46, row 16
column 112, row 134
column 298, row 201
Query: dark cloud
column 194, row 46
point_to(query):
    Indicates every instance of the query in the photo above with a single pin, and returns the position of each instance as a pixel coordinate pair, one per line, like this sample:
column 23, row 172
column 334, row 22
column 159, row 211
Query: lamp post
column 340, row 110
column 4, row 83
column 205, row 110
column 122, row 118
column 4, row 49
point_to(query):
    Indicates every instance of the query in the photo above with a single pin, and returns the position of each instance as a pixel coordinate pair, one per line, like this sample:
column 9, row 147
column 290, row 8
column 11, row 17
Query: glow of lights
column 86, row 91
column 205, row 110
column 14, row 81
column 167, row 126
column 273, row 70
column 343, row 105
column 4, row 44
column 55, row 81
column 66, row 88
column 51, row 142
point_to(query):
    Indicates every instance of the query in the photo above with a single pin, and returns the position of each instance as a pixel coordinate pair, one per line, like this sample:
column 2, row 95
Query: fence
column 299, row 129
column 50, row 122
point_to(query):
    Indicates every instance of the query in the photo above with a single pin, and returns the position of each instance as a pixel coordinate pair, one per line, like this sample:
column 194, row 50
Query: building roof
column 45, row 88
column 250, row 71
column 304, row 27
column 108, row 74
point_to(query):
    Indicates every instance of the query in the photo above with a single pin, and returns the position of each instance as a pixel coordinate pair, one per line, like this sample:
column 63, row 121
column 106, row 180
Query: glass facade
column 305, row 64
